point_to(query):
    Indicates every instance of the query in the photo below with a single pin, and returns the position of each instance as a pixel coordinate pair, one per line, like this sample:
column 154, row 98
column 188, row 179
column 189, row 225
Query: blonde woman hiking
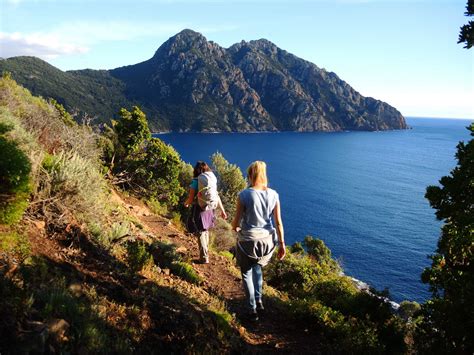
column 257, row 236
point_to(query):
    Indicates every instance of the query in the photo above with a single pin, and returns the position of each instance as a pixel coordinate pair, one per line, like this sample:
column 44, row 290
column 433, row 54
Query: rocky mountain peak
column 192, row 84
column 189, row 43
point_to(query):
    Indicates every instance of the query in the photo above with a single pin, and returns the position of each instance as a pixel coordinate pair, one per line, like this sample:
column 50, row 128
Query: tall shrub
column 448, row 325
column 230, row 181
column 150, row 167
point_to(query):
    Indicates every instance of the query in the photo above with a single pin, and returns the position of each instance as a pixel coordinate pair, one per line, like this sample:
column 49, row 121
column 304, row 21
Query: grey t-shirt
column 258, row 206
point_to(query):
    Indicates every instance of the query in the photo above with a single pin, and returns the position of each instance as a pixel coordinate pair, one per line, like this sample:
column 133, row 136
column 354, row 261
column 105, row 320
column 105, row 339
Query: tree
column 132, row 129
column 466, row 34
column 230, row 181
column 448, row 323
column 151, row 167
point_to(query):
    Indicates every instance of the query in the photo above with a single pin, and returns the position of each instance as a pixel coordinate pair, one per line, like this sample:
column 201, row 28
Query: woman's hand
column 281, row 251
column 237, row 229
column 223, row 214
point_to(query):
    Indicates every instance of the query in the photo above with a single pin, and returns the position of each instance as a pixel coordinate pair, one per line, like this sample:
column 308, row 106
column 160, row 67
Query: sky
column 403, row 52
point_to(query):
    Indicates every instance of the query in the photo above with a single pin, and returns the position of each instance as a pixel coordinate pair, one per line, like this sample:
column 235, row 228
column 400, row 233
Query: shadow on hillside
column 285, row 334
column 113, row 310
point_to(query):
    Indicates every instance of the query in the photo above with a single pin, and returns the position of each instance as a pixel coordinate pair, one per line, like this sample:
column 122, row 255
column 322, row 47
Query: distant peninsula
column 194, row 85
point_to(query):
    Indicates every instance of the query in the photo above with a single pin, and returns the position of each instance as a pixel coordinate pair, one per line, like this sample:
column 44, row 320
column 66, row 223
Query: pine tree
column 466, row 34
column 448, row 324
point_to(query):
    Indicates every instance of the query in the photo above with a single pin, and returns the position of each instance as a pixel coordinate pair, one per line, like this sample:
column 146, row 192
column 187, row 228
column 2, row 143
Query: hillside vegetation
column 94, row 258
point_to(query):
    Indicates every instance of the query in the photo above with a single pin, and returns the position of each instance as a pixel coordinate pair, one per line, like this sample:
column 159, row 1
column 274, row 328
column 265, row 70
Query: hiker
column 204, row 199
column 256, row 238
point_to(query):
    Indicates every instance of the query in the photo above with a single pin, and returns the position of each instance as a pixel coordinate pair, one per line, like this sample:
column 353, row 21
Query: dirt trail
column 272, row 332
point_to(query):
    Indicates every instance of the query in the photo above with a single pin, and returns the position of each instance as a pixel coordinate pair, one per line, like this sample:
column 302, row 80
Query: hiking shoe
column 205, row 261
column 260, row 306
column 253, row 316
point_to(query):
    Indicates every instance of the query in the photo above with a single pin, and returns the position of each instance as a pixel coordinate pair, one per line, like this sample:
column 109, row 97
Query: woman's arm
column 238, row 216
column 221, row 207
column 280, row 231
column 190, row 198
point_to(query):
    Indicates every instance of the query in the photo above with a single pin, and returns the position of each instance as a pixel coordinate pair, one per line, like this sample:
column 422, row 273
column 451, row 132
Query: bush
column 165, row 255
column 107, row 237
column 447, row 325
column 72, row 184
column 154, row 171
column 351, row 321
column 15, row 243
column 15, row 169
column 408, row 309
column 150, row 167
column 46, row 123
column 132, row 129
column 185, row 271
column 230, row 181
column 138, row 256
column 156, row 207
column 222, row 238
column 296, row 274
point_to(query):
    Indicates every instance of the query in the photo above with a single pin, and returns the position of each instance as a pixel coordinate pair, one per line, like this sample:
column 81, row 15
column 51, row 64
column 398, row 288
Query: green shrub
column 408, row 309
column 15, row 168
column 156, row 207
column 73, row 184
column 351, row 321
column 107, row 237
column 132, row 129
column 12, row 210
column 447, row 324
column 296, row 248
column 138, row 256
column 164, row 253
column 222, row 238
column 15, row 187
column 176, row 219
column 296, row 274
column 185, row 271
column 45, row 123
column 63, row 114
column 230, row 181
column 16, row 243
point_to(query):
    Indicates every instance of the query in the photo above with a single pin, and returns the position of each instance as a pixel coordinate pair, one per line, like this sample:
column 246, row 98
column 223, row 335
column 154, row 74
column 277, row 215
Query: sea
column 362, row 193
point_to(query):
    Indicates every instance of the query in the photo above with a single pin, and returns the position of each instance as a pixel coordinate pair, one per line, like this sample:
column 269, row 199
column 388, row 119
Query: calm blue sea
column 361, row 192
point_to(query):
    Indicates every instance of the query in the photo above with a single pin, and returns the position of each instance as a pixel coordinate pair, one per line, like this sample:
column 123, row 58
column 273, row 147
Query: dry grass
column 66, row 178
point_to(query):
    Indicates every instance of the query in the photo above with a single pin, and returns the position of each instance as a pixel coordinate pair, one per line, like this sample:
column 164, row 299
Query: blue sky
column 403, row 52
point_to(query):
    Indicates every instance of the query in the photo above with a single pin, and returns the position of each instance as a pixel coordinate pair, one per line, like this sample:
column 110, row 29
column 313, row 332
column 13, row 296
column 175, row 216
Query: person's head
column 257, row 173
column 200, row 167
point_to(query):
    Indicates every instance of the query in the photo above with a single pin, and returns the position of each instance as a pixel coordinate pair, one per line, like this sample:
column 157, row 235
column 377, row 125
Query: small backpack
column 207, row 191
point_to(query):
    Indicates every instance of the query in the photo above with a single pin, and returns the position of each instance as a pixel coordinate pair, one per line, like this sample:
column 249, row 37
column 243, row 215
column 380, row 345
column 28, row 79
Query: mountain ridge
column 192, row 84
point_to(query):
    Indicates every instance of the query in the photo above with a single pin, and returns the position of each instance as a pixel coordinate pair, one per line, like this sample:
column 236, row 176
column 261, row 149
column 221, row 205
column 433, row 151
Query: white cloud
column 46, row 46
column 80, row 36
column 88, row 33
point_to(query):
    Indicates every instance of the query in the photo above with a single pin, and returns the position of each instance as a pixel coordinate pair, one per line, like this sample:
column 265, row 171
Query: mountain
column 94, row 92
column 192, row 84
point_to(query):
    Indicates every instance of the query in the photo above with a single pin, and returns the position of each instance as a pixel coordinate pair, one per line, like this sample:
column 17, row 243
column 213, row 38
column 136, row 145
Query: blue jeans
column 253, row 282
